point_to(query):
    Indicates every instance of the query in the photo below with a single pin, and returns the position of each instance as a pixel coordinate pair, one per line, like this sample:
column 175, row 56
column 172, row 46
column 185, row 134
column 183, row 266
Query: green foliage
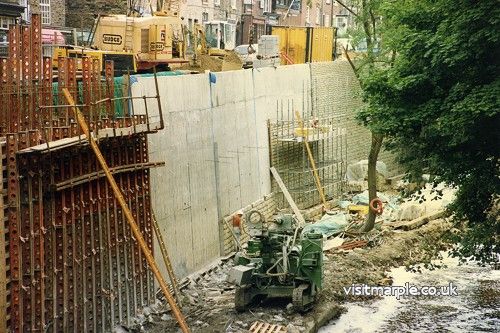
column 437, row 101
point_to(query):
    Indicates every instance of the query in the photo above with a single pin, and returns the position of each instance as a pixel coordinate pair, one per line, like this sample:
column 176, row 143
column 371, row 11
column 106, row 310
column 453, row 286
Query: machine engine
column 278, row 262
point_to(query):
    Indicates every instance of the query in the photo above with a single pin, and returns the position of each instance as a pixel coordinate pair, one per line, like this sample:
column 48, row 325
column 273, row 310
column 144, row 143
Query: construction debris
column 353, row 244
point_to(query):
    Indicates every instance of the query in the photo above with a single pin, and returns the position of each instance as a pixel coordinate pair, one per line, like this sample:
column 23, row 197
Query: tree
column 367, row 30
column 438, row 105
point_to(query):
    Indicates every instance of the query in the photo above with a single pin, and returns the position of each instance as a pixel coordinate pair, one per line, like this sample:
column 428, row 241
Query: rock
column 359, row 171
column 213, row 293
column 410, row 211
column 290, row 328
column 140, row 318
column 166, row 317
column 279, row 318
column 120, row 329
column 387, row 281
column 146, row 311
column 192, row 300
column 289, row 308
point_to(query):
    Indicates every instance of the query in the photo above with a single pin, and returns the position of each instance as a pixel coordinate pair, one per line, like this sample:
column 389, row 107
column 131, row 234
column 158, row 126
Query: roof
column 11, row 9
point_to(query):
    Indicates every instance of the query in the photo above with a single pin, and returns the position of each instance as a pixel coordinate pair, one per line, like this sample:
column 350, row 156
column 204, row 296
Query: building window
column 217, row 3
column 45, row 11
column 261, row 4
column 328, row 2
column 204, row 17
column 341, row 22
column 233, row 4
column 326, row 20
column 5, row 22
column 318, row 15
column 308, row 15
column 268, row 6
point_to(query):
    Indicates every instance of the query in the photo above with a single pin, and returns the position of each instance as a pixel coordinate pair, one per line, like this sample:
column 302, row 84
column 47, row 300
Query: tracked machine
column 278, row 262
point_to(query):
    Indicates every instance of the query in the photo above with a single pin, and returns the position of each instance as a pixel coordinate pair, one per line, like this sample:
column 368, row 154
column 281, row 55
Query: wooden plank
column 288, row 197
column 257, row 328
column 419, row 221
column 262, row 327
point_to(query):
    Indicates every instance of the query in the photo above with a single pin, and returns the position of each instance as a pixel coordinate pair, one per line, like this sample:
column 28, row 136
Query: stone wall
column 81, row 13
column 335, row 89
column 57, row 11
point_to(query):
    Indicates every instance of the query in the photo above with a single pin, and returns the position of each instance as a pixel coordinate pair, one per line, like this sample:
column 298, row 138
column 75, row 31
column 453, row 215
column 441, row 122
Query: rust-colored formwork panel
column 4, row 236
column 73, row 265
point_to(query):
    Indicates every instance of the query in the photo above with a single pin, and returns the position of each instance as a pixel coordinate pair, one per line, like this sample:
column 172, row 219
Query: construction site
column 173, row 191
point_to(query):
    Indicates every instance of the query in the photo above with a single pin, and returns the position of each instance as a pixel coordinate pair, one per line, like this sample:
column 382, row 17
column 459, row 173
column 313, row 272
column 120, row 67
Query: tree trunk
column 372, row 177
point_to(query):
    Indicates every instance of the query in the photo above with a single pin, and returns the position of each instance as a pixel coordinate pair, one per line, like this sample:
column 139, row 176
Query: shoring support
column 128, row 214
column 311, row 160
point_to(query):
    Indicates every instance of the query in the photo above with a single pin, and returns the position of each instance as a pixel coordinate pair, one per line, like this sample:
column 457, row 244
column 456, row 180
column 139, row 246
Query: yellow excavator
column 136, row 42
column 212, row 44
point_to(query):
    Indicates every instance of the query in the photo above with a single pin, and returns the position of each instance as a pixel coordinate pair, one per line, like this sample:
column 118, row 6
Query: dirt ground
column 208, row 298
column 215, row 64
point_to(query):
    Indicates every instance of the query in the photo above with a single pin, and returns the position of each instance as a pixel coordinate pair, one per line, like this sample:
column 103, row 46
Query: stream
column 476, row 308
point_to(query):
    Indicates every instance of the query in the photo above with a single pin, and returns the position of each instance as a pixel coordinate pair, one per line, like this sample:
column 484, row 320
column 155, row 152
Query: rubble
column 349, row 257
column 209, row 299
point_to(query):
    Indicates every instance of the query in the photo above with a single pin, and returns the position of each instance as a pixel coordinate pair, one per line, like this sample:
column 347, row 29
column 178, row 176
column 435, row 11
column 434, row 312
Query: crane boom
column 169, row 7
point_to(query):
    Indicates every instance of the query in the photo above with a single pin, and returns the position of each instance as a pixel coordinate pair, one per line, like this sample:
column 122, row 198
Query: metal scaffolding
column 328, row 144
column 69, row 260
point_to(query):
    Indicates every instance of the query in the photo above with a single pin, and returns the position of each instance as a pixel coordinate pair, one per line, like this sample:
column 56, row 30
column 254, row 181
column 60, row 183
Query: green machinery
column 278, row 262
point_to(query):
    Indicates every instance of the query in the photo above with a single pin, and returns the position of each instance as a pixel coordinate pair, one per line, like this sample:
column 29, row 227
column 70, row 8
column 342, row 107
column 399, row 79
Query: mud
column 208, row 299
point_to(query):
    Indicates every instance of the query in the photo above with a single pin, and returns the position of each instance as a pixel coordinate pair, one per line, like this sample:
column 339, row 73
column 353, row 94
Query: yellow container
column 293, row 41
column 305, row 44
column 322, row 44
column 361, row 209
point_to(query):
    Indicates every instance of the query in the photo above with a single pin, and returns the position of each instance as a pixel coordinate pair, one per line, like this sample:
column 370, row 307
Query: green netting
column 118, row 87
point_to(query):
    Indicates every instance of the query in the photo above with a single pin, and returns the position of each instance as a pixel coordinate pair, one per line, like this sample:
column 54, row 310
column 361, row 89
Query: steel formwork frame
column 70, row 262
column 328, row 143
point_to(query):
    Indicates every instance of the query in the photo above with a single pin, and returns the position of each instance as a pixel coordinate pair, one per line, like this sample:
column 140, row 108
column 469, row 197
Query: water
column 475, row 309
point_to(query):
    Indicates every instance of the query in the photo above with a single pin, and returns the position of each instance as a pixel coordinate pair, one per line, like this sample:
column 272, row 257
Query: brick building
column 53, row 11
column 9, row 12
column 210, row 10
column 314, row 13
column 258, row 16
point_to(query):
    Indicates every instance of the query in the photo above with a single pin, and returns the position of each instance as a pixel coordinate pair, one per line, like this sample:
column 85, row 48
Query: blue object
column 212, row 78
column 328, row 225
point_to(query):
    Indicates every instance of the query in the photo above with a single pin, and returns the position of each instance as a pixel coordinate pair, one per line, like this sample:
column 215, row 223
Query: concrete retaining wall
column 216, row 149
